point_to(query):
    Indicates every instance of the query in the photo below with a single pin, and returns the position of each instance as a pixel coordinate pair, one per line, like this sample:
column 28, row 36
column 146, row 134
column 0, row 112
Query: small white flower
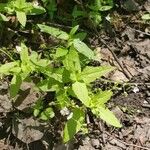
column 65, row 111
column 108, row 18
column 18, row 48
column 35, row 3
column 70, row 116
column 136, row 89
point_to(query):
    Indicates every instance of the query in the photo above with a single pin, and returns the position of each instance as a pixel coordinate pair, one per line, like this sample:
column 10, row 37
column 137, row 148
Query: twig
column 114, row 55
column 125, row 83
column 146, row 105
column 127, row 144
column 133, row 145
column 138, row 31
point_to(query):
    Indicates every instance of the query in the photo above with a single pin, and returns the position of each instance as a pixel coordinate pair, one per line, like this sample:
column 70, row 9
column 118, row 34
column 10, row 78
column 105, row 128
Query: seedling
column 70, row 83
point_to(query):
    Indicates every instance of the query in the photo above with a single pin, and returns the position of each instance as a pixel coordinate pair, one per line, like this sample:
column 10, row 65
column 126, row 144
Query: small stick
column 138, row 31
column 115, row 57
column 127, row 144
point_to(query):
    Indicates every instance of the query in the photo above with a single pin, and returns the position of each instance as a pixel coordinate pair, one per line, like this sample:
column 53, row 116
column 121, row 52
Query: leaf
column 90, row 74
column 80, row 36
column 5, row 69
column 77, row 13
column 108, row 116
column 72, row 61
column 73, row 125
column 51, row 7
column 36, row 112
column 101, row 98
column 83, row 48
column 105, row 8
column 48, row 85
column 74, row 30
column 21, row 16
column 66, row 76
column 61, row 52
column 54, row 32
column 81, row 92
column 62, row 98
column 24, row 55
column 146, row 17
column 95, row 17
column 2, row 7
column 3, row 18
column 15, row 85
column 41, row 62
column 47, row 114
column 36, row 10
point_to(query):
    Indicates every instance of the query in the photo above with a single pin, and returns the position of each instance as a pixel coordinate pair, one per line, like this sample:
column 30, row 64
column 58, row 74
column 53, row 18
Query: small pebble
column 95, row 143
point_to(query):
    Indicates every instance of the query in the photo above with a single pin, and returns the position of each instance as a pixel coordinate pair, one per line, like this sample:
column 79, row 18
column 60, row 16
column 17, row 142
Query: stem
column 1, row 50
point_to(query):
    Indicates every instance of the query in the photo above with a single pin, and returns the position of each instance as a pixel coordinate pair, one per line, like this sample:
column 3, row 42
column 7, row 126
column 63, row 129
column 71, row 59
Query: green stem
column 1, row 50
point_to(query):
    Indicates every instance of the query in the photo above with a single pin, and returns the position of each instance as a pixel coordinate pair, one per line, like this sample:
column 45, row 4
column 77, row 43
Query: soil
column 125, row 44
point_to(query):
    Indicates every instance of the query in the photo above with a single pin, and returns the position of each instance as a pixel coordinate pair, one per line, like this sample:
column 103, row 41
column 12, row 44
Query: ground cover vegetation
column 45, row 44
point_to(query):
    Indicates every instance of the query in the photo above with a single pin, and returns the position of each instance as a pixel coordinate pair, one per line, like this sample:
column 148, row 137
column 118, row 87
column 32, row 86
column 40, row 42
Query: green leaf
column 36, row 112
column 108, row 116
column 83, row 49
column 146, row 17
column 15, row 85
column 54, row 32
column 73, row 125
column 2, row 7
column 21, row 16
column 90, row 74
column 5, row 69
column 74, row 30
column 36, row 10
column 62, row 98
column 61, row 52
column 105, row 8
column 48, row 85
column 41, row 62
column 3, row 18
column 81, row 92
column 77, row 13
column 51, row 7
column 100, row 98
column 81, row 36
column 95, row 17
column 47, row 114
column 24, row 55
column 66, row 76
column 72, row 61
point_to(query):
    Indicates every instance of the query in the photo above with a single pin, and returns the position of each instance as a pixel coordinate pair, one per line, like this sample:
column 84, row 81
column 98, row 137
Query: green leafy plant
column 92, row 11
column 51, row 6
column 21, row 8
column 70, row 82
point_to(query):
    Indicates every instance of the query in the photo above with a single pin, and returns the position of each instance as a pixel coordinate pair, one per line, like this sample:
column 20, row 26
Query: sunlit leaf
column 3, row 18
column 6, row 68
column 21, row 16
column 73, row 125
column 74, row 30
column 83, row 49
column 108, row 116
column 90, row 74
column 47, row 114
column 81, row 92
column 15, row 85
column 54, row 32
column 101, row 98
